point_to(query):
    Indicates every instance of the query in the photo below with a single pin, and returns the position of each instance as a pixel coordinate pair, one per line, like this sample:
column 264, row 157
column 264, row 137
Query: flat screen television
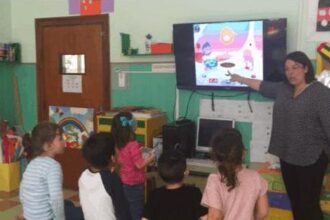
column 206, row 128
column 207, row 53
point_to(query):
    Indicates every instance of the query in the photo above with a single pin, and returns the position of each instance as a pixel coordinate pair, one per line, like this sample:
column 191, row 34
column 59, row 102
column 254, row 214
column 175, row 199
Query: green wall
column 143, row 89
column 7, row 106
column 18, row 106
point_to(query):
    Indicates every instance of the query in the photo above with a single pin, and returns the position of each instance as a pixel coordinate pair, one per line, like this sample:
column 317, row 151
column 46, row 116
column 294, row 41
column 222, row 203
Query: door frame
column 40, row 25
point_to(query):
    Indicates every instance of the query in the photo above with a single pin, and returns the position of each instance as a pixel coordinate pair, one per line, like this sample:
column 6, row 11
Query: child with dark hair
column 41, row 187
column 175, row 200
column 130, row 160
column 27, row 153
column 100, row 189
column 234, row 192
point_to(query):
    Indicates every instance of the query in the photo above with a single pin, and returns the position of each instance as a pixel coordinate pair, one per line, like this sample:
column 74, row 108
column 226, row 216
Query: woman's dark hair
column 302, row 58
column 171, row 166
column 122, row 128
column 98, row 149
column 227, row 150
column 42, row 133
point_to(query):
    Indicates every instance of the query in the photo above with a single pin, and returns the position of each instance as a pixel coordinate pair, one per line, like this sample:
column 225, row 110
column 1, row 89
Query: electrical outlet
column 121, row 79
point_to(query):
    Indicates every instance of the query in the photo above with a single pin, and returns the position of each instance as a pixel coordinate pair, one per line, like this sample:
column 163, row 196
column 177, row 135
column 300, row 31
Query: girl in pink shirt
column 131, row 163
column 234, row 193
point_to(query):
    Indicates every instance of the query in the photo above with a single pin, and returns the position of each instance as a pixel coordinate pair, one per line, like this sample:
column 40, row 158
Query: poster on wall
column 71, row 84
column 319, row 20
column 77, row 123
column 90, row 7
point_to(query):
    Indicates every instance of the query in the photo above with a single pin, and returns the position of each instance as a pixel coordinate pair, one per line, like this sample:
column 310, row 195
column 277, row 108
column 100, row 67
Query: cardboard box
column 10, row 176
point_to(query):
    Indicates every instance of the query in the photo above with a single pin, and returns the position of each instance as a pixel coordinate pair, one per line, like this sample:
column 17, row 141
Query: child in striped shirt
column 41, row 188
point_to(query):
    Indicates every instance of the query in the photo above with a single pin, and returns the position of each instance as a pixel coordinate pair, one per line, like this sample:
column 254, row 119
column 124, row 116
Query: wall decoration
column 319, row 20
column 90, row 7
column 77, row 123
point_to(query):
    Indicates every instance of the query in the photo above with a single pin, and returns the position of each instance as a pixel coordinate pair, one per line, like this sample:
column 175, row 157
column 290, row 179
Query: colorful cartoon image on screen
column 77, row 123
column 225, row 48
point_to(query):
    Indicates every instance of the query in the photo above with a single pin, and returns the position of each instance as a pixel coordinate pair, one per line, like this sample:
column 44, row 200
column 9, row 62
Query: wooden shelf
column 149, row 54
column 134, row 52
column 147, row 128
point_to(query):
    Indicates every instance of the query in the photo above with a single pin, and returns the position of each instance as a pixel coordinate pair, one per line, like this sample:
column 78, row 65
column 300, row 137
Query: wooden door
column 83, row 35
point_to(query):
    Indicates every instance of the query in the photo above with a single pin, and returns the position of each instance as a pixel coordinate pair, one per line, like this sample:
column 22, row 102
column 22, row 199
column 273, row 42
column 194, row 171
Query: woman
column 301, row 132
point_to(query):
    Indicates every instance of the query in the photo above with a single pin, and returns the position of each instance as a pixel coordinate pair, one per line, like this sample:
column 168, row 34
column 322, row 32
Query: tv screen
column 207, row 53
column 206, row 128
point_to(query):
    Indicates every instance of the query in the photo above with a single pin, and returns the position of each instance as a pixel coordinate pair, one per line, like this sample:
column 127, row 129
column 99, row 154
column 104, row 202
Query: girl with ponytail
column 234, row 192
column 131, row 162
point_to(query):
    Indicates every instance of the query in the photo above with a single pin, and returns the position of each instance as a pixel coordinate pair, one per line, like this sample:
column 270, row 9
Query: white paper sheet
column 72, row 83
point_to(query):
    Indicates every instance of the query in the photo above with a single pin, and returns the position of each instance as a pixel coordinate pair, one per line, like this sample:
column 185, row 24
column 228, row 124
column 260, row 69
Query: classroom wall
column 136, row 18
column 5, row 21
column 6, row 93
column 18, row 102
column 156, row 17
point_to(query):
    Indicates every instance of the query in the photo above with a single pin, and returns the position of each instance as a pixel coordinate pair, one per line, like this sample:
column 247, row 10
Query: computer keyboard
column 201, row 167
column 201, row 162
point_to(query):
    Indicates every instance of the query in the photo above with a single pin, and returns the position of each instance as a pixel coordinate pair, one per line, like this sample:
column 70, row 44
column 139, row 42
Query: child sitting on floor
column 234, row 192
column 100, row 190
column 41, row 187
column 175, row 200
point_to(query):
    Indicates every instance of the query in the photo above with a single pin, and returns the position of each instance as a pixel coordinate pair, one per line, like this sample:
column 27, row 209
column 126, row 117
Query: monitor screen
column 218, row 56
column 206, row 128
column 207, row 53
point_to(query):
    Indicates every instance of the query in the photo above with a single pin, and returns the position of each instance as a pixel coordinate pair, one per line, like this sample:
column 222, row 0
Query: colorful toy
column 323, row 63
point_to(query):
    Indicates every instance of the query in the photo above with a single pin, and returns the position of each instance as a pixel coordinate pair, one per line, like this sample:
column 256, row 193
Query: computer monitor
column 206, row 128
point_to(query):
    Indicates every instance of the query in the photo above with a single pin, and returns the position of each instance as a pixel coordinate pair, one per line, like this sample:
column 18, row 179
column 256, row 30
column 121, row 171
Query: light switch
column 121, row 79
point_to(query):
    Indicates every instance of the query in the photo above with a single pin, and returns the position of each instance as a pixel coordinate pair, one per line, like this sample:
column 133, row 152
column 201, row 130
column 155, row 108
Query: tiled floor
column 10, row 206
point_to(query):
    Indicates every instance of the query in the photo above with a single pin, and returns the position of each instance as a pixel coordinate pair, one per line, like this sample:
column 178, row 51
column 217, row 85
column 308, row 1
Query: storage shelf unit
column 147, row 128
column 10, row 52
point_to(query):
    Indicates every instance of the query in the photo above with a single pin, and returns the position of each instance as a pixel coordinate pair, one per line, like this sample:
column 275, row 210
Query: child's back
column 234, row 192
column 100, row 190
column 41, row 186
column 174, row 201
column 131, row 162
column 42, row 183
column 95, row 201
column 182, row 203
column 239, row 203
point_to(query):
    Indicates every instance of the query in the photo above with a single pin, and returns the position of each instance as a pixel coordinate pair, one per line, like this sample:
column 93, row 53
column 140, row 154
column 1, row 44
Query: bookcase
column 147, row 128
